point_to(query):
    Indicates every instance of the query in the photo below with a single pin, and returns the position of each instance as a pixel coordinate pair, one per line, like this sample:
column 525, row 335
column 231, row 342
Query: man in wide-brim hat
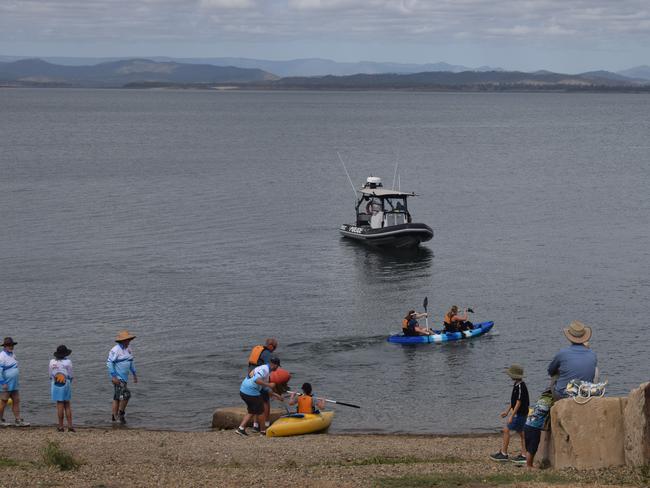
column 576, row 361
column 9, row 385
column 120, row 364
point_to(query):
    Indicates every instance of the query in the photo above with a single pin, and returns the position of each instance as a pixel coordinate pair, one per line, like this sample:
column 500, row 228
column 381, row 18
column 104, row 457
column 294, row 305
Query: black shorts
column 410, row 332
column 265, row 396
column 532, row 437
column 121, row 392
column 254, row 404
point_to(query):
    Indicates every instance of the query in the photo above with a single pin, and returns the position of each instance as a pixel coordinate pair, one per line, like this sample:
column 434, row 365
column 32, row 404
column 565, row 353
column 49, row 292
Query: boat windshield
column 382, row 212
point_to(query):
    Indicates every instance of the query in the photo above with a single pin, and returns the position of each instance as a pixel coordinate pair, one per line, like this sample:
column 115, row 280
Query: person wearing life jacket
column 261, row 354
column 307, row 402
column 454, row 322
column 410, row 325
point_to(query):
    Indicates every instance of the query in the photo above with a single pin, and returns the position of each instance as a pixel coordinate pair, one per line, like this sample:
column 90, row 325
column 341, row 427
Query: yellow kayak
column 298, row 424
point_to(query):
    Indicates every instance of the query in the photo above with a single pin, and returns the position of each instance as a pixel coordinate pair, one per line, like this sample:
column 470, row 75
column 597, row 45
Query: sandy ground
column 136, row 458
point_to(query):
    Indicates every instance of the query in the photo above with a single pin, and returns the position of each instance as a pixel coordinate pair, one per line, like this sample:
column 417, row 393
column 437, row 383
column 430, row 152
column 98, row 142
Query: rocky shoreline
column 139, row 458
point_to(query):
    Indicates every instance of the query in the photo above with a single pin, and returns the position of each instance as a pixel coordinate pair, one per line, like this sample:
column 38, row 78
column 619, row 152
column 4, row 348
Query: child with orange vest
column 306, row 401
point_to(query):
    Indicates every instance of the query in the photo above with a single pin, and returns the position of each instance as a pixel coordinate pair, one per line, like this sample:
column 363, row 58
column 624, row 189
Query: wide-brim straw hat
column 577, row 332
column 124, row 335
column 515, row 371
column 61, row 352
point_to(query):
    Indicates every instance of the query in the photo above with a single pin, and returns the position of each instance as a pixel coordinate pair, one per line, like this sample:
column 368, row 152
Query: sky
column 567, row 36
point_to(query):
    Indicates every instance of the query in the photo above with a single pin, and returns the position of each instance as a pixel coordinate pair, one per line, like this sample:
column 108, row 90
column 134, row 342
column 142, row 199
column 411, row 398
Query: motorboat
column 383, row 219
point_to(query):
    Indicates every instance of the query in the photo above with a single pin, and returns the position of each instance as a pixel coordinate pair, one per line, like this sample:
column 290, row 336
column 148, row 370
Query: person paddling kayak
column 410, row 325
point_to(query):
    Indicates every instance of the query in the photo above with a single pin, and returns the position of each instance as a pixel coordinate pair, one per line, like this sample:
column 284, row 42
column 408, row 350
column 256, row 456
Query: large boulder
column 637, row 426
column 588, row 436
column 231, row 417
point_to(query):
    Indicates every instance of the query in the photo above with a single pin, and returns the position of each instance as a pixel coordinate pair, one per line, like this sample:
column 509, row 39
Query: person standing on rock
column 120, row 364
column 576, row 361
column 9, row 382
column 250, row 391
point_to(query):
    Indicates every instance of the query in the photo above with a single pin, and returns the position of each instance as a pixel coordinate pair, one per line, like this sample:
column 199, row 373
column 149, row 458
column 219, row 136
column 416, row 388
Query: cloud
column 303, row 21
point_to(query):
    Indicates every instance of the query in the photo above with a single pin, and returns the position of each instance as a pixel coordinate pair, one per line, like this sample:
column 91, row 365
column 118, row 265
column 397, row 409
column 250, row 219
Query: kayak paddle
column 328, row 400
column 424, row 305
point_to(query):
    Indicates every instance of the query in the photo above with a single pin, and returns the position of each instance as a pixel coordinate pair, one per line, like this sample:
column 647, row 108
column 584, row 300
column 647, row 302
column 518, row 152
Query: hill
column 31, row 72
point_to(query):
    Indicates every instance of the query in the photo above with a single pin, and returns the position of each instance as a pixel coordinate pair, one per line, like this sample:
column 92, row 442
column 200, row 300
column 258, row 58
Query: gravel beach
column 137, row 458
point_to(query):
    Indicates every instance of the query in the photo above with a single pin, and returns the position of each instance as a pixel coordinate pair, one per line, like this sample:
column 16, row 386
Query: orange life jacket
column 254, row 357
column 448, row 320
column 305, row 404
column 405, row 324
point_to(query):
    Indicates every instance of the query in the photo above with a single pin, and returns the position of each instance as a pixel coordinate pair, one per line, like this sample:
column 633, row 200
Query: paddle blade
column 425, row 303
column 348, row 404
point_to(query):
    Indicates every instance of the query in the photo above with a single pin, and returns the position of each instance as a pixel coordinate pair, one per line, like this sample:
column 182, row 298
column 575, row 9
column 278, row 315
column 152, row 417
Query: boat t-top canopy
column 384, row 193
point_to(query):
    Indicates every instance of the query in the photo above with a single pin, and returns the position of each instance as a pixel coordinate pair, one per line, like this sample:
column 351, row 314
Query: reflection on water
column 379, row 263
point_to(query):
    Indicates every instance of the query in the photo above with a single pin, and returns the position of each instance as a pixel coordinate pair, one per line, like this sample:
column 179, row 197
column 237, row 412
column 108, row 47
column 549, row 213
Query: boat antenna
column 348, row 175
column 399, row 183
column 395, row 172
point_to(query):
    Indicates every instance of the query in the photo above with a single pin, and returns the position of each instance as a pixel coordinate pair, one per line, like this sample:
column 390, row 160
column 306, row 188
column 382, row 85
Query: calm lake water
column 205, row 222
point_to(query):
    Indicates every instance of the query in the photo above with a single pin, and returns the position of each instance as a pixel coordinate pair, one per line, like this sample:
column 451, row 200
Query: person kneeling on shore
column 410, row 325
column 251, row 392
column 306, row 401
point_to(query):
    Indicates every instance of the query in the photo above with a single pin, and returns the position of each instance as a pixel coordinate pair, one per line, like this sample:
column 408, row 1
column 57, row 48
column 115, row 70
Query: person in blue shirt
column 120, row 364
column 250, row 392
column 577, row 361
column 9, row 384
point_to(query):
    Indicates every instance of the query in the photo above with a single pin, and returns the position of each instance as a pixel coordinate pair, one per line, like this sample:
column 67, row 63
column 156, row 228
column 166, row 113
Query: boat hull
column 395, row 236
column 299, row 425
column 439, row 338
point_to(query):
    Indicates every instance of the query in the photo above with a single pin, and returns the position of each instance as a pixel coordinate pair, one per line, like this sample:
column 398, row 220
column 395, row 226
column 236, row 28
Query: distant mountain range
column 34, row 72
column 293, row 67
column 145, row 73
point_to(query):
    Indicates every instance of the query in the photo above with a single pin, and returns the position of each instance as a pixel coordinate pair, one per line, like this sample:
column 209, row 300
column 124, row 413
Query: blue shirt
column 250, row 386
column 120, row 363
column 573, row 362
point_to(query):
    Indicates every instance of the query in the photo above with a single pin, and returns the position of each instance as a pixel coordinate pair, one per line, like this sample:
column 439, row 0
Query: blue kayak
column 439, row 336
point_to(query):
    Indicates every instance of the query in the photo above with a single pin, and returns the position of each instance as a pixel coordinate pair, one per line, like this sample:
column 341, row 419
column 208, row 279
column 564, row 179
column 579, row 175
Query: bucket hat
column 8, row 341
column 515, row 371
column 62, row 352
column 577, row 332
column 124, row 335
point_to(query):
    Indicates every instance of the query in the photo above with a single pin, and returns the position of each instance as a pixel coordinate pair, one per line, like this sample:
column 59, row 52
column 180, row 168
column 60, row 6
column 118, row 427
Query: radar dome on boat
column 373, row 182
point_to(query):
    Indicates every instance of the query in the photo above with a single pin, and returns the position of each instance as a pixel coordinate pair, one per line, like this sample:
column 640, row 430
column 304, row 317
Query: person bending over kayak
column 251, row 392
column 410, row 325
column 260, row 355
column 455, row 322
column 306, row 401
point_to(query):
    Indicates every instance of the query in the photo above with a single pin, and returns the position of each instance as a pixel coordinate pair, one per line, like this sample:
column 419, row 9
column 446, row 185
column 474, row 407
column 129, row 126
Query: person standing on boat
column 61, row 390
column 576, row 362
column 455, row 322
column 9, row 382
column 250, row 391
column 410, row 325
column 120, row 364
